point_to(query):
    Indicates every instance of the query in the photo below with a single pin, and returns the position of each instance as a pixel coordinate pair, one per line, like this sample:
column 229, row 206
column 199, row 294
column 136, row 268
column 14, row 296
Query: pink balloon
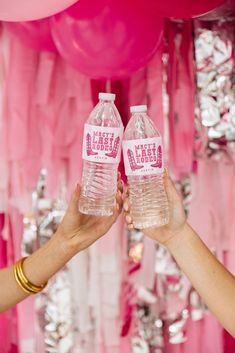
column 28, row 10
column 112, row 41
column 33, row 34
column 185, row 8
column 85, row 9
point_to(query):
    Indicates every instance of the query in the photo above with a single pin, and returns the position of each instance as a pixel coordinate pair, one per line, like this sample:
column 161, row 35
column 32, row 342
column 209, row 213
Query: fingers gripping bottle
column 143, row 158
column 101, row 155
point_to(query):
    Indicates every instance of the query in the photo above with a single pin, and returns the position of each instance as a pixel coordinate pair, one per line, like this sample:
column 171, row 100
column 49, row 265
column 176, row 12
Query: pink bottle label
column 143, row 156
column 102, row 144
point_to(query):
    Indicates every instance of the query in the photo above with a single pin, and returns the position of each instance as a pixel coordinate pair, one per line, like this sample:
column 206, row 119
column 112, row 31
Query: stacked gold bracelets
column 23, row 281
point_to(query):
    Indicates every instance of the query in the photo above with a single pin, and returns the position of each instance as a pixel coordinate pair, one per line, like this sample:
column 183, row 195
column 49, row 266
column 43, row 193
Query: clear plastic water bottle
column 101, row 155
column 143, row 158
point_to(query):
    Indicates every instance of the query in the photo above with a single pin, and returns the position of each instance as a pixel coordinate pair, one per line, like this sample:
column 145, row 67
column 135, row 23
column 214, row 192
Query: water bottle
column 102, row 142
column 143, row 158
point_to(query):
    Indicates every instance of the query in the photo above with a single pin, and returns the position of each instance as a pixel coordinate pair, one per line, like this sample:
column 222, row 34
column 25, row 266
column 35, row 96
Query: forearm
column 215, row 284
column 75, row 233
column 38, row 268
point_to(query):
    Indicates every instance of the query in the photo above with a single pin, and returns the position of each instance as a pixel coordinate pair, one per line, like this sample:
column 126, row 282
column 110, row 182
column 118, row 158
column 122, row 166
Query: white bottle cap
column 107, row 96
column 138, row 108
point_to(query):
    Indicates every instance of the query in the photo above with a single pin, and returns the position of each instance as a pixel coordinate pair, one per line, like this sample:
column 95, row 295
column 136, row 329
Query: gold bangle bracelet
column 19, row 282
column 23, row 278
column 23, row 281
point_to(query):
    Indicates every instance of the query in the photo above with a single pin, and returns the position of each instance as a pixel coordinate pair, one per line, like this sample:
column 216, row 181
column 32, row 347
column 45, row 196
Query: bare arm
column 211, row 279
column 38, row 268
column 75, row 233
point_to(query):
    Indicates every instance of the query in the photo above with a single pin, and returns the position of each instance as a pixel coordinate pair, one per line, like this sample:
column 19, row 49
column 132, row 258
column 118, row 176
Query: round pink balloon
column 112, row 41
column 185, row 8
column 33, row 34
column 27, row 10
column 86, row 9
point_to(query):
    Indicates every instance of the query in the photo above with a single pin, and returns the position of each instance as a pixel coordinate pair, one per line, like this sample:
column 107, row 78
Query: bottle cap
column 138, row 108
column 107, row 96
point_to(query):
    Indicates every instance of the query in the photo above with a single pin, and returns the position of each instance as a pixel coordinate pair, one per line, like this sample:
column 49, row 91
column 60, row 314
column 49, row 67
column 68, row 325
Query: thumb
column 73, row 204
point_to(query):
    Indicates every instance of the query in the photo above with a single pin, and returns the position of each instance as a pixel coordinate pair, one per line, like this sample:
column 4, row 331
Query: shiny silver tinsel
column 214, row 52
column 160, row 314
column 55, row 314
column 53, row 305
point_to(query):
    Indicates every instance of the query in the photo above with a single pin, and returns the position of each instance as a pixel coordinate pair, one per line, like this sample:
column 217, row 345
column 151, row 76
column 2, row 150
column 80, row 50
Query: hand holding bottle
column 78, row 230
column 75, row 233
column 177, row 217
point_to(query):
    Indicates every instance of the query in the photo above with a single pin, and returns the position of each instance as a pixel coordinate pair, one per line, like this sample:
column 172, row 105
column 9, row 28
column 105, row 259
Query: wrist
column 47, row 260
column 176, row 235
column 63, row 246
column 70, row 244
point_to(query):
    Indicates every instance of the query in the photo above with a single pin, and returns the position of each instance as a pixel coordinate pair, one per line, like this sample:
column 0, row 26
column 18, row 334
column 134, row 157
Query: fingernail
column 128, row 219
column 119, row 193
column 166, row 171
column 130, row 226
column 125, row 206
column 118, row 206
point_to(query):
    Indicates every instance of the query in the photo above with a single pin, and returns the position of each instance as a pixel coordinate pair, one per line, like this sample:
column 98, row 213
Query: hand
column 77, row 231
column 176, row 213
